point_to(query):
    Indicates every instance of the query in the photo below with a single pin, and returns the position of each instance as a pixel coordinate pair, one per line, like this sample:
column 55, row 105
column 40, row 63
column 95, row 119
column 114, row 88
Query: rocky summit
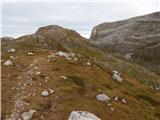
column 136, row 39
column 56, row 74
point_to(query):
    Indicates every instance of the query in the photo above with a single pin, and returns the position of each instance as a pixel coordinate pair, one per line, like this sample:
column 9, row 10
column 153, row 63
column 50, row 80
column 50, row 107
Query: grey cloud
column 25, row 18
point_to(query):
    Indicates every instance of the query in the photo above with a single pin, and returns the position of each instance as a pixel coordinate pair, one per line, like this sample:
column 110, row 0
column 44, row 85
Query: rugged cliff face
column 136, row 39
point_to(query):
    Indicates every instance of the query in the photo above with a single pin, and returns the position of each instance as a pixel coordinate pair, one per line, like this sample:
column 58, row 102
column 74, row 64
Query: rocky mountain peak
column 139, row 36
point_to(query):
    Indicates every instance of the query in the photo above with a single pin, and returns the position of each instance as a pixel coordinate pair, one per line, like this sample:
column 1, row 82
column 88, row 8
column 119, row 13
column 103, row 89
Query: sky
column 21, row 17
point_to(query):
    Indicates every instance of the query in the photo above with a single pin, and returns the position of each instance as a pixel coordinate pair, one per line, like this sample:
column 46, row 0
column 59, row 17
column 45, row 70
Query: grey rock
column 82, row 115
column 102, row 97
column 139, row 36
column 28, row 115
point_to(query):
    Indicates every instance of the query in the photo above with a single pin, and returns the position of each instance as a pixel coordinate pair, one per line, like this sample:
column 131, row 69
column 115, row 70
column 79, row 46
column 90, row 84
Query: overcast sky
column 20, row 18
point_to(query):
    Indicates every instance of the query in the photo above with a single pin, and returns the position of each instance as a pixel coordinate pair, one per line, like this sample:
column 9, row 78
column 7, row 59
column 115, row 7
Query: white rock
column 28, row 115
column 82, row 115
column 68, row 56
column 38, row 73
column 35, row 67
column 47, row 78
column 12, row 50
column 124, row 101
column 62, row 54
column 128, row 56
column 30, row 53
column 116, row 76
column 111, row 109
column 116, row 98
column 45, row 93
column 51, row 91
column 8, row 62
column 64, row 77
column 102, row 97
column 109, row 104
column 88, row 63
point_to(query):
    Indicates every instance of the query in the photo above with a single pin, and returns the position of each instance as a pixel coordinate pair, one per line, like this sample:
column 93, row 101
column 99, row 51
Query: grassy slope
column 83, row 84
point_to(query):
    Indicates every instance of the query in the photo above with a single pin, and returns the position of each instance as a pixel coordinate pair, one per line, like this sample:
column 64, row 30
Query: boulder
column 102, row 97
column 28, row 115
column 82, row 115
column 8, row 62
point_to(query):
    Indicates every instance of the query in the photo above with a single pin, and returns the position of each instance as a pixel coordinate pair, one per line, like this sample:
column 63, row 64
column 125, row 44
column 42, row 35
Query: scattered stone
column 64, row 77
column 45, row 93
column 35, row 67
column 68, row 56
column 88, row 63
column 116, row 98
column 47, row 78
column 31, row 65
column 30, row 72
column 124, row 101
column 13, row 88
column 109, row 104
column 38, row 73
column 75, row 59
column 128, row 56
column 30, row 53
column 7, row 63
column 111, row 109
column 102, row 97
column 82, row 115
column 11, row 57
column 51, row 91
column 28, row 115
column 12, row 50
column 116, row 76
column 51, row 57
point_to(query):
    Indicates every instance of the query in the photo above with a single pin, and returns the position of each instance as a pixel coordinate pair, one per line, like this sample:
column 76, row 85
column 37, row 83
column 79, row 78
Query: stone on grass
column 116, row 98
column 51, row 91
column 64, row 77
column 28, row 115
column 82, row 115
column 7, row 63
column 38, row 73
column 45, row 93
column 111, row 109
column 102, row 97
column 116, row 76
column 124, row 101
column 88, row 63
column 12, row 50
column 30, row 53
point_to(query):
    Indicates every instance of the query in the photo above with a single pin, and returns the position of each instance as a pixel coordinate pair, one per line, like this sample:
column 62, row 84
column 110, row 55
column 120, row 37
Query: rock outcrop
column 137, row 37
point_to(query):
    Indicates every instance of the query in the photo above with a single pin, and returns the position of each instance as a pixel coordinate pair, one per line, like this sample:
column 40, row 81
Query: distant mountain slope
column 136, row 38
column 50, row 37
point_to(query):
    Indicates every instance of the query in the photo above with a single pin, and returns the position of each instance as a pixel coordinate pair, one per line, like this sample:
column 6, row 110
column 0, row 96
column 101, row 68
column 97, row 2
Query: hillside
column 136, row 39
column 49, row 74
